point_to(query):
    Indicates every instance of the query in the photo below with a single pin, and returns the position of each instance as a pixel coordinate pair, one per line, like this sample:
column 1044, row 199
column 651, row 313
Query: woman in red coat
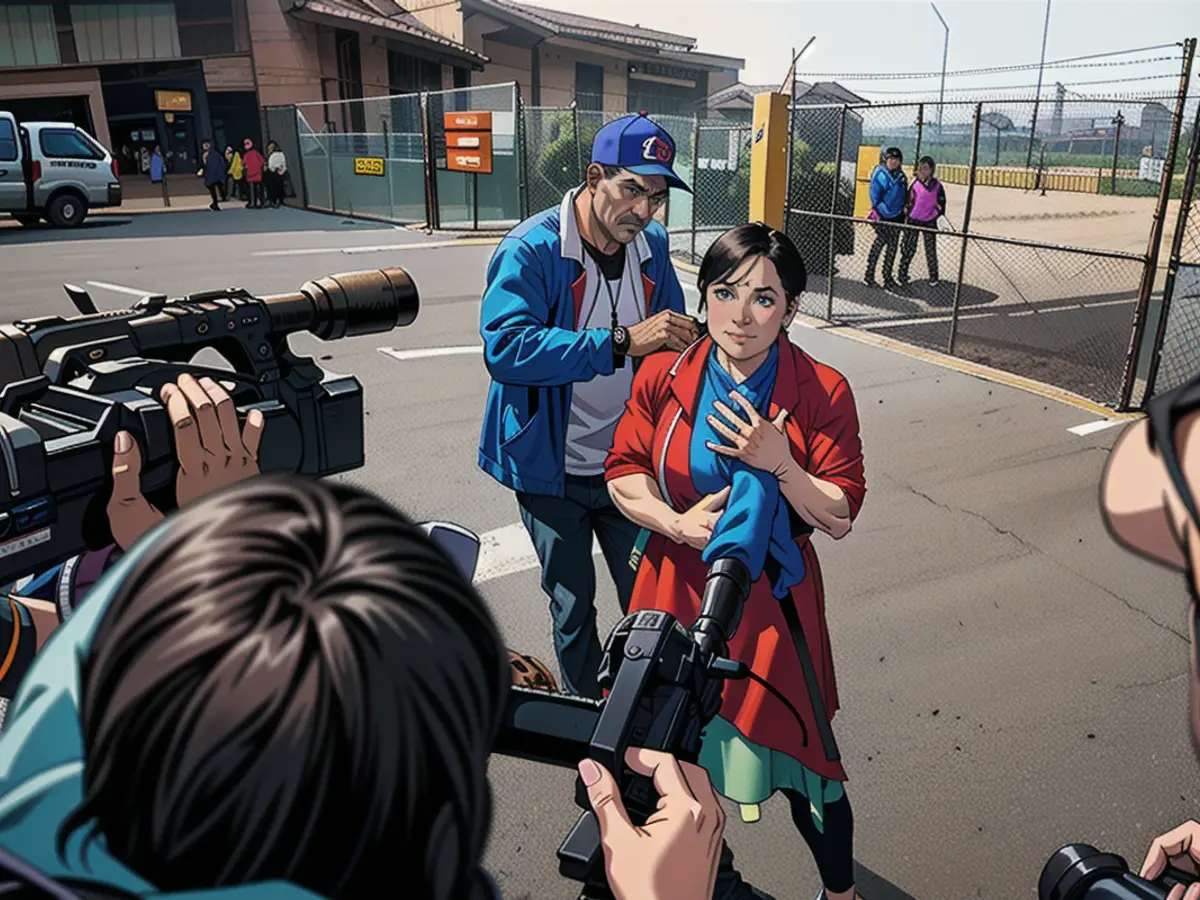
column 730, row 455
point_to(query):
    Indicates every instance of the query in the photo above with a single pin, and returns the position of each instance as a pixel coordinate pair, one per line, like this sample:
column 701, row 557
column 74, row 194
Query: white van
column 53, row 170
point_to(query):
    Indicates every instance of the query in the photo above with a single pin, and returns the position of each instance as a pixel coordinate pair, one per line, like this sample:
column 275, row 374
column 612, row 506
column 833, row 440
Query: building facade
column 146, row 73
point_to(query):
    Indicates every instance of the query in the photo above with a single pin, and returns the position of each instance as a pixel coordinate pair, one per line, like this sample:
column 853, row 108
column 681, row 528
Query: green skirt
column 748, row 773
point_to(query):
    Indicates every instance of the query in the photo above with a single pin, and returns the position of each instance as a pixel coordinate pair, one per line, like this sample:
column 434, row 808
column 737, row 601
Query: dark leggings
column 833, row 850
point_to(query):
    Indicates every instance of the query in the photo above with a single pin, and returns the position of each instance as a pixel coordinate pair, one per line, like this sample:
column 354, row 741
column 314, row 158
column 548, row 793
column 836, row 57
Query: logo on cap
column 656, row 149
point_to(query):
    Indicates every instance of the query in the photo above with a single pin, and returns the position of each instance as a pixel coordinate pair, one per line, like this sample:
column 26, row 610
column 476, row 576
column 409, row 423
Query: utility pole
column 945, row 56
column 1038, row 99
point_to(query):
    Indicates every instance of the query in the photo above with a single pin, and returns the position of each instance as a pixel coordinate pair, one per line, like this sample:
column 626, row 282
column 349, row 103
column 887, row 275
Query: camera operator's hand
column 211, row 451
column 710, row 637
column 674, row 855
column 666, row 330
column 1179, row 849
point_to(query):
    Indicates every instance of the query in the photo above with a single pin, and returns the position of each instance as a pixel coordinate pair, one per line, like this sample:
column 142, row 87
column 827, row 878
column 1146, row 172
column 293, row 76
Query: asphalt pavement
column 1010, row 680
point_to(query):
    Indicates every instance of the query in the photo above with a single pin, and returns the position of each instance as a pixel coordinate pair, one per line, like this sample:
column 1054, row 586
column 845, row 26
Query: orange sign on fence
column 469, row 142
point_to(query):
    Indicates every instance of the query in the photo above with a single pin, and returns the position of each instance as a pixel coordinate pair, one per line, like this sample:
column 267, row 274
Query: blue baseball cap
column 640, row 145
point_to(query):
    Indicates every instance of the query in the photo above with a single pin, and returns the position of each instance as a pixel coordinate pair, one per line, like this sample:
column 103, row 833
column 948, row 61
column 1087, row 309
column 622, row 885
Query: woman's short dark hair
column 927, row 161
column 728, row 254
column 294, row 683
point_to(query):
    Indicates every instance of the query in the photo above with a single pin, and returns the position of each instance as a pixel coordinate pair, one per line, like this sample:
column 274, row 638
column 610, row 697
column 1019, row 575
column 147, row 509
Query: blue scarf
column 755, row 524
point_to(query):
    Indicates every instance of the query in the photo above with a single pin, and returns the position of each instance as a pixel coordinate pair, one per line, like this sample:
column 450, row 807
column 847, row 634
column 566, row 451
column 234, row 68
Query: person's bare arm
column 44, row 615
column 639, row 500
column 822, row 504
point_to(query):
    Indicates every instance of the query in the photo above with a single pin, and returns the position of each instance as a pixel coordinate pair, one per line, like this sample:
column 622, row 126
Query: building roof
column 555, row 23
column 388, row 16
column 741, row 96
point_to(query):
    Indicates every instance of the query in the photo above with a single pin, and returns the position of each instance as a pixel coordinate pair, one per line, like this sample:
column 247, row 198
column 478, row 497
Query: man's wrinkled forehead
column 654, row 185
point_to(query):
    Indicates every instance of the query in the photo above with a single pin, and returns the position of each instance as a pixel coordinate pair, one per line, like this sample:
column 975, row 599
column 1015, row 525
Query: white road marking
column 429, row 352
column 1093, row 427
column 507, row 551
column 379, row 248
column 120, row 289
column 921, row 320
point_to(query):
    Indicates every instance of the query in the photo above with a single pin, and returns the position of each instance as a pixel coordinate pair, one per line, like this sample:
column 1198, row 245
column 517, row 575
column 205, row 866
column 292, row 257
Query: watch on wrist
column 620, row 339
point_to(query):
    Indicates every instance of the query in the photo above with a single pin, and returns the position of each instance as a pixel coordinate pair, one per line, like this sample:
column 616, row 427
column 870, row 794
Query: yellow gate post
column 768, row 160
column 868, row 159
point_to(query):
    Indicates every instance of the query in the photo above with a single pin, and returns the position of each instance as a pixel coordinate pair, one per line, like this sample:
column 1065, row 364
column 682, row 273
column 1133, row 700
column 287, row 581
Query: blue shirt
column 755, row 525
column 889, row 192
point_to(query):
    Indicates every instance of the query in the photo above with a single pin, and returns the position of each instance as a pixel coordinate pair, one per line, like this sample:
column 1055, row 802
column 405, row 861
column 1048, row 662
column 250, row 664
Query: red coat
column 653, row 438
column 254, row 163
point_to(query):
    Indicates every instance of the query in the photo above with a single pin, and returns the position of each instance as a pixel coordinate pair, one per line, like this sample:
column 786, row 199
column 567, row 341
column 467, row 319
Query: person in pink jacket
column 254, row 164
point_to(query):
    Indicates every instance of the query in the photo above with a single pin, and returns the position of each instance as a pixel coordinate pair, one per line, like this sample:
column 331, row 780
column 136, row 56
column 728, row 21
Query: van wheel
column 28, row 221
column 66, row 211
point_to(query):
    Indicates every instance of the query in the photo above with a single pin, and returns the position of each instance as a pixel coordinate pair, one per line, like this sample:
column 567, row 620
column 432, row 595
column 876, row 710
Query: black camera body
column 661, row 694
column 1081, row 872
column 70, row 384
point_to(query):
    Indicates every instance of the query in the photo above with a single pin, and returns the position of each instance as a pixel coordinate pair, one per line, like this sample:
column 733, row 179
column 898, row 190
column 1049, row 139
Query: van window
column 8, row 141
column 67, row 144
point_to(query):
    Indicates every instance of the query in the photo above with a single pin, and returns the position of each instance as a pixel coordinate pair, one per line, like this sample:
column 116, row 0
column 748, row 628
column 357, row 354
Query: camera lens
column 1081, row 872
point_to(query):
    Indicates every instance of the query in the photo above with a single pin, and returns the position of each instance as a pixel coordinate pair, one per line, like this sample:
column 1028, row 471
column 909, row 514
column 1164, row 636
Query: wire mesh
column 1181, row 341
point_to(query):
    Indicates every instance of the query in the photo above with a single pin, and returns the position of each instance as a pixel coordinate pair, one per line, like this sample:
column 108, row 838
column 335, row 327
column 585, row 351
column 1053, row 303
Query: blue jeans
column 562, row 530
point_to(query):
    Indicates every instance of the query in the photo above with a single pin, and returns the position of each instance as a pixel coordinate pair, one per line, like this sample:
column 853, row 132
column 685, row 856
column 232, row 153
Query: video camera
column 1081, row 872
column 70, row 384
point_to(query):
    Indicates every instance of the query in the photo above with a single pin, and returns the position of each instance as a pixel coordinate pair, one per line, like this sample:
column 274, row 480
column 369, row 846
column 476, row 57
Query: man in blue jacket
column 575, row 297
column 889, row 196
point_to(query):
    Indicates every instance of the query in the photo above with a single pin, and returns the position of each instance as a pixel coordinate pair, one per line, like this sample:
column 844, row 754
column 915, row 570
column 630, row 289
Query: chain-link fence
column 1177, row 345
column 385, row 158
column 1049, row 308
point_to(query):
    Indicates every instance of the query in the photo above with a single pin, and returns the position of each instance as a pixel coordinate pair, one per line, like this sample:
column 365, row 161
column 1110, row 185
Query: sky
column 871, row 36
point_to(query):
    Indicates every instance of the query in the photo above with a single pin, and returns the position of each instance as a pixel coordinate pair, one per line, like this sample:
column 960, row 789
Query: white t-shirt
column 597, row 405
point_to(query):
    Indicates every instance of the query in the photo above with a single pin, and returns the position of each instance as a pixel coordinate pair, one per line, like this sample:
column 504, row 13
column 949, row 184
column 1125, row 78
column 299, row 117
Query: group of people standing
column 247, row 175
column 701, row 455
column 895, row 202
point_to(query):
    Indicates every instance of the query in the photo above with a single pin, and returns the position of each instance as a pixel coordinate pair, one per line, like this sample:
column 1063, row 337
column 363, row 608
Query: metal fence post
column 575, row 137
column 962, row 258
column 522, row 149
column 1156, row 233
column 920, row 134
column 432, row 213
column 791, row 155
column 695, row 169
column 387, row 168
column 835, row 193
column 1185, row 205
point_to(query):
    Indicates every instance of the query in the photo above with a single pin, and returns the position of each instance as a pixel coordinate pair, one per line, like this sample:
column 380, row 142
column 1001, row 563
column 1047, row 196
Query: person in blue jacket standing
column 889, row 195
column 576, row 296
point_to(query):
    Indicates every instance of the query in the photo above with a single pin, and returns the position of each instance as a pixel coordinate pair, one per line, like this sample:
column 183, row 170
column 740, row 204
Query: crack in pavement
column 1145, row 684
column 1033, row 548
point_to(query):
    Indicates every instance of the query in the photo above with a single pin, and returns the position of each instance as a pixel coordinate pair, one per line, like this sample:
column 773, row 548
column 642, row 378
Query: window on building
column 205, row 27
column 8, row 141
column 125, row 32
column 60, row 143
column 27, row 35
column 589, row 86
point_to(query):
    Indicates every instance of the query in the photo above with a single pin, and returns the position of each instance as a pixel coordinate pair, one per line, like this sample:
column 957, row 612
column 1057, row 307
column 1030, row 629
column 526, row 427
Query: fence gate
column 1177, row 356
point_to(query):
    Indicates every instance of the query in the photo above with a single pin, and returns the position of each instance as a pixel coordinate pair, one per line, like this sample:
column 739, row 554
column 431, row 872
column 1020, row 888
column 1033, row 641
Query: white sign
column 24, row 542
column 1151, row 169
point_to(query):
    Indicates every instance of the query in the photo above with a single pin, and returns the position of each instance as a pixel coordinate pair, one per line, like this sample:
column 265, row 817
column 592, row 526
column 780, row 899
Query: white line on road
column 429, row 352
column 1093, row 427
column 120, row 289
column 507, row 551
column 929, row 320
column 379, row 248
column 920, row 320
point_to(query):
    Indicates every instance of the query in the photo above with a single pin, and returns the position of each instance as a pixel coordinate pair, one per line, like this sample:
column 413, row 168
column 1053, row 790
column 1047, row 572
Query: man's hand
column 674, row 855
column 1179, row 849
column 695, row 526
column 666, row 330
column 211, row 452
column 762, row 444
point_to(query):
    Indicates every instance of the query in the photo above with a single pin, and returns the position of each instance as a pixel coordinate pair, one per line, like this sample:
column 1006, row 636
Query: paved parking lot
column 1010, row 680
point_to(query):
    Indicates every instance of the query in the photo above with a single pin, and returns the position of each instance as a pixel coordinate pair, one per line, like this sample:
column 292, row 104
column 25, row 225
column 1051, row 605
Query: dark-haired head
column 750, row 283
column 294, row 683
column 922, row 163
column 893, row 158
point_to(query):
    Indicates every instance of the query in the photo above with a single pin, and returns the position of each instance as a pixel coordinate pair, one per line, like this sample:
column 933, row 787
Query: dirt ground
column 1092, row 221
